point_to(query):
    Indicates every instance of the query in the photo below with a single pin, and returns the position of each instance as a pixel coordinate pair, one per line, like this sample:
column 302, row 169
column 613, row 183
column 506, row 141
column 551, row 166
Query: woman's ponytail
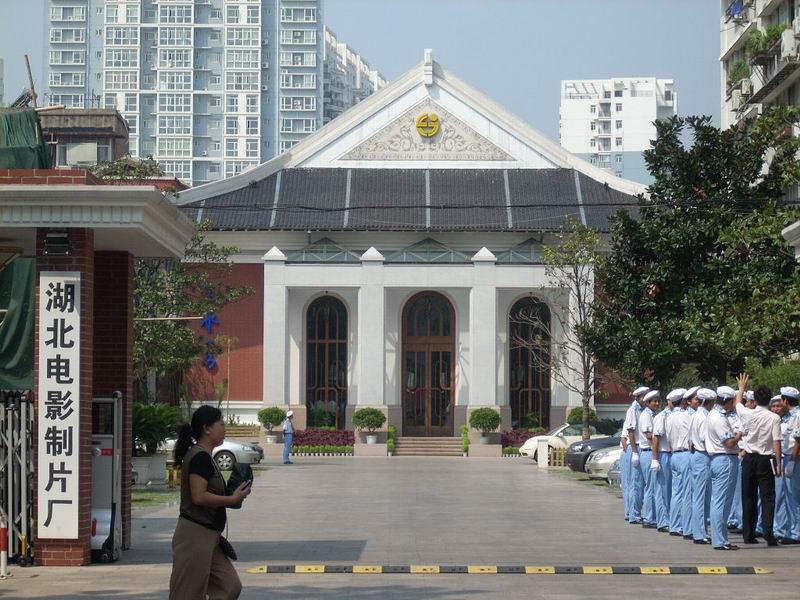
column 190, row 434
column 185, row 441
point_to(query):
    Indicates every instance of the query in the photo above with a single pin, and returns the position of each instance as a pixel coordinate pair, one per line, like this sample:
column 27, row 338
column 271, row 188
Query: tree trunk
column 586, row 434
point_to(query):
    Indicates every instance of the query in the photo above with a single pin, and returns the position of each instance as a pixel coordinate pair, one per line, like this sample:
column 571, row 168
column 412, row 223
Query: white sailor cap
column 691, row 392
column 640, row 390
column 289, row 413
column 706, row 394
column 775, row 399
column 676, row 394
column 726, row 392
column 790, row 392
column 749, row 395
column 650, row 395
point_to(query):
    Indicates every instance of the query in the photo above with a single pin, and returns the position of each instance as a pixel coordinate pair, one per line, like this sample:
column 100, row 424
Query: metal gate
column 16, row 470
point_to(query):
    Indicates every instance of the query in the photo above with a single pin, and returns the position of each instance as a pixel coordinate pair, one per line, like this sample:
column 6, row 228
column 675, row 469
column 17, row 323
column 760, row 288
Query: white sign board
column 58, row 401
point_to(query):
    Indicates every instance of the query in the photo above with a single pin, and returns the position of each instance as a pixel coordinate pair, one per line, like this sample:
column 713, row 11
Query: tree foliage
column 702, row 275
column 193, row 287
column 569, row 267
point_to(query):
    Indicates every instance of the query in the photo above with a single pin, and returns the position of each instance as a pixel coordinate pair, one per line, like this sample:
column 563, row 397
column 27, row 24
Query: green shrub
column 739, row 70
column 484, row 420
column 510, row 451
column 575, row 416
column 537, row 430
column 390, row 446
column 772, row 34
column 530, row 421
column 153, row 424
column 755, row 43
column 271, row 417
column 369, row 419
column 464, row 438
column 774, row 376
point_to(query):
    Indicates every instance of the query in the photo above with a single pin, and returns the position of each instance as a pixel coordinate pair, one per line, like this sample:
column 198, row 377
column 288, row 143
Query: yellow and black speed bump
column 506, row 570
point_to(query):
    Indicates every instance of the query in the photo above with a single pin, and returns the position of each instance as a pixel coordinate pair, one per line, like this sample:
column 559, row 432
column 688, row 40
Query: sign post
column 58, row 401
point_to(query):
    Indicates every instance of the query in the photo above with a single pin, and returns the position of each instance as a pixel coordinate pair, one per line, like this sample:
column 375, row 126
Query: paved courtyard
column 442, row 511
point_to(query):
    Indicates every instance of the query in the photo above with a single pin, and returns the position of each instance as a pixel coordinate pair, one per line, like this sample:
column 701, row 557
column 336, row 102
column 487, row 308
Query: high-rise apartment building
column 760, row 56
column 348, row 78
column 609, row 122
column 209, row 88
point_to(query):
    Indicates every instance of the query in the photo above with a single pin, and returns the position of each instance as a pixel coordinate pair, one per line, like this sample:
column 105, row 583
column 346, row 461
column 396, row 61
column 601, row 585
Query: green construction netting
column 17, row 284
column 22, row 144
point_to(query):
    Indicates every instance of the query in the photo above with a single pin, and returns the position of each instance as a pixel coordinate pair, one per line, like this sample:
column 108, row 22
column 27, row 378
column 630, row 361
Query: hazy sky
column 516, row 51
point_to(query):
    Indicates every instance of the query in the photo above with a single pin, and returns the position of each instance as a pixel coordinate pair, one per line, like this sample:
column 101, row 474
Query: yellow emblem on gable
column 428, row 124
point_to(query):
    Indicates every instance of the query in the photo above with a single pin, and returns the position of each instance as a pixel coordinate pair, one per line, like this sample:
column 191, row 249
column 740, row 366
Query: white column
column 483, row 331
column 371, row 330
column 276, row 339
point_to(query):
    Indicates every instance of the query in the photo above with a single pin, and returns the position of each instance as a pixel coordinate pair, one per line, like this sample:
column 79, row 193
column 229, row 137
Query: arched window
column 529, row 365
column 326, row 362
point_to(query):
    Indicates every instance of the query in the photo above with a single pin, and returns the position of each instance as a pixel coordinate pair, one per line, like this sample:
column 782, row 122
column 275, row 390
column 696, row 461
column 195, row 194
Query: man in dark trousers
column 759, row 465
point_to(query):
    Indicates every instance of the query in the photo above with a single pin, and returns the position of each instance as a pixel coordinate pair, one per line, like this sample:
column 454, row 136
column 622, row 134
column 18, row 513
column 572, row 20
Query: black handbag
column 239, row 474
column 226, row 548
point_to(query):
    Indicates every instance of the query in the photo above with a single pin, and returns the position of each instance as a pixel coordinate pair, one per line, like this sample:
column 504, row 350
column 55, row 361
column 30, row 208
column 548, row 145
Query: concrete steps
column 425, row 446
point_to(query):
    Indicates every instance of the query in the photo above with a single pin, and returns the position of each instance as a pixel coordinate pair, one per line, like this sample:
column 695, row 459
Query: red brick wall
column 113, row 356
column 47, row 176
column 243, row 320
column 72, row 552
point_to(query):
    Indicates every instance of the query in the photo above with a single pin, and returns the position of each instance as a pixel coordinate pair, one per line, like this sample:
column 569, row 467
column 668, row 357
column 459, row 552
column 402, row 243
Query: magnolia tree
column 569, row 266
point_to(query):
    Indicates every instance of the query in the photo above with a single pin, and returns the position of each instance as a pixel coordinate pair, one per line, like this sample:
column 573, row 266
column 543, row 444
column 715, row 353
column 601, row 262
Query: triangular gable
column 323, row 251
column 528, row 252
column 451, row 140
column 427, row 251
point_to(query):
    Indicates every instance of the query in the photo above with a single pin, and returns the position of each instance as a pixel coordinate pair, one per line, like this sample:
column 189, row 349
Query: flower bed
column 511, row 452
column 323, row 437
column 515, row 439
column 324, row 450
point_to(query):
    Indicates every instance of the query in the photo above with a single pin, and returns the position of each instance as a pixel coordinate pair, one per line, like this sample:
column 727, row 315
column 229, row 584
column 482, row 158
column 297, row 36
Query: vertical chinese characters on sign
column 58, row 400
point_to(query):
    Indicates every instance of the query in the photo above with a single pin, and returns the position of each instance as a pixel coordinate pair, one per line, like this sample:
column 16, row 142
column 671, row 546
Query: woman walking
column 199, row 566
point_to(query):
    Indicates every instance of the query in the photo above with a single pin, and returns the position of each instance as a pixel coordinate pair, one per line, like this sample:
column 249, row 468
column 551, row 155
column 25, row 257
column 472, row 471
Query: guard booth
column 106, row 540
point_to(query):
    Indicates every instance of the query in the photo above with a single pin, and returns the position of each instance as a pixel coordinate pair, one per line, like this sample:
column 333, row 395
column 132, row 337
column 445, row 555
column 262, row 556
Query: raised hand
column 743, row 378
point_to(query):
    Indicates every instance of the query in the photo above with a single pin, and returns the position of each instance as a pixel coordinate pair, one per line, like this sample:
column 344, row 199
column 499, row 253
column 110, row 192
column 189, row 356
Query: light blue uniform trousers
column 735, row 514
column 636, row 490
column 663, row 489
column 787, row 504
column 699, row 492
column 688, row 496
column 649, row 483
column 678, row 464
column 724, row 469
column 287, row 446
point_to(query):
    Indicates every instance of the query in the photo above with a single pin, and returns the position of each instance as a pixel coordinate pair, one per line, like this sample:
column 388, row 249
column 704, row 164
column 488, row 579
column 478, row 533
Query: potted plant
column 271, row 417
column 484, row 420
column 464, row 440
column 391, row 437
column 152, row 425
column 369, row 419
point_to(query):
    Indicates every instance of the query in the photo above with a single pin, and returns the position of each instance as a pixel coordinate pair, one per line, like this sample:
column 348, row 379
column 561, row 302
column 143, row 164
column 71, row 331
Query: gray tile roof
column 413, row 200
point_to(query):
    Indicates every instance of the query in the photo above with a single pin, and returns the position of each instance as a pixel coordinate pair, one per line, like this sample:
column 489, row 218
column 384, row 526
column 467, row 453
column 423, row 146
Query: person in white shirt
column 645, row 442
column 700, row 464
column 632, row 489
column 661, row 464
column 787, row 503
column 759, row 465
column 722, row 447
column 688, row 500
column 288, row 436
column 677, row 434
column 735, row 516
column 793, row 473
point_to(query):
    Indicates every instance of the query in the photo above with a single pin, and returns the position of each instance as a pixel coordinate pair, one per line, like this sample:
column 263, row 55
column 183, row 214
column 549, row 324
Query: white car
column 228, row 454
column 600, row 462
column 560, row 437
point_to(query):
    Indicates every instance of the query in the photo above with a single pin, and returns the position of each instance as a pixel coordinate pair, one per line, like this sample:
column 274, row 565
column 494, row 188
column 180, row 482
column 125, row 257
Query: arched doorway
column 326, row 362
column 529, row 364
column 428, row 365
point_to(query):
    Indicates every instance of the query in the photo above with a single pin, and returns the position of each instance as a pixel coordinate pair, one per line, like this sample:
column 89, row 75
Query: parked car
column 614, row 478
column 600, row 462
column 228, row 454
column 578, row 452
column 559, row 437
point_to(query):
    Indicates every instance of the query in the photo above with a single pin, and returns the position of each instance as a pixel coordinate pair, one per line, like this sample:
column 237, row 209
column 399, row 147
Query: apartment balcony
column 781, row 69
column 765, row 8
column 738, row 11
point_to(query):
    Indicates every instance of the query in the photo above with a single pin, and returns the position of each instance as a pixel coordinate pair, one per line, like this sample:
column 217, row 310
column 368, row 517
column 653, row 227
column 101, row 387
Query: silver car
column 600, row 462
column 229, row 453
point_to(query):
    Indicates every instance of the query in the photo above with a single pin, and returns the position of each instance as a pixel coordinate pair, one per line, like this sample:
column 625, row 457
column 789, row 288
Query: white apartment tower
column 348, row 78
column 610, row 122
column 209, row 88
column 760, row 56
